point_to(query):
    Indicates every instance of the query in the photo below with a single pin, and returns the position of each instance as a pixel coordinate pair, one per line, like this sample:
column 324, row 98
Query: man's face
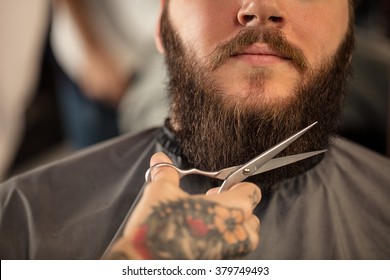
column 245, row 75
column 260, row 73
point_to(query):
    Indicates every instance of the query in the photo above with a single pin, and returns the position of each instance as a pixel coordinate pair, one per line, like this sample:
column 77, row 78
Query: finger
column 253, row 228
column 249, row 190
column 243, row 195
column 163, row 174
column 253, row 223
column 212, row 191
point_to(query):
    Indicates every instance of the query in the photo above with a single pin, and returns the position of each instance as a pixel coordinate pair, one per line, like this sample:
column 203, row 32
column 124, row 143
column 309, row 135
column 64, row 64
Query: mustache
column 274, row 38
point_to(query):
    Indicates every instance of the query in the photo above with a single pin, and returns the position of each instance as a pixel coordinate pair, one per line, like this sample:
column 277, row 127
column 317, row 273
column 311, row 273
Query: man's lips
column 259, row 55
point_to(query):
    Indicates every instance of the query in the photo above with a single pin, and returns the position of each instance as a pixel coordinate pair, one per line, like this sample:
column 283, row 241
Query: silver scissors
column 262, row 163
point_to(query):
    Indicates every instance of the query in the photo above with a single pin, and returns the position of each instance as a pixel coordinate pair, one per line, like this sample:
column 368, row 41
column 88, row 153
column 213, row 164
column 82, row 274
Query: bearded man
column 244, row 75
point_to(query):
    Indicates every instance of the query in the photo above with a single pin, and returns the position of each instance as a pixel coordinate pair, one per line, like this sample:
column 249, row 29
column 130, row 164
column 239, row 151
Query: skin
column 317, row 27
column 211, row 226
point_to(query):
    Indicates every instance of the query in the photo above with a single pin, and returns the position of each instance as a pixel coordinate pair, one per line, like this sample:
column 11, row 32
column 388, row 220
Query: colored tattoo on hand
column 193, row 229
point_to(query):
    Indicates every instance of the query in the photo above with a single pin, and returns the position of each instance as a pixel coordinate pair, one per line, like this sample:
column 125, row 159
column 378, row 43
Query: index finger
column 164, row 174
column 243, row 195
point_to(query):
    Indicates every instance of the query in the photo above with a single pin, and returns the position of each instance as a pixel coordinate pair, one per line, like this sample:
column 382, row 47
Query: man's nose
column 261, row 12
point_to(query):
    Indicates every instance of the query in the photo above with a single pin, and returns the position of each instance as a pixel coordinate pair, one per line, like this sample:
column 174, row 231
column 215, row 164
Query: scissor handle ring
column 148, row 174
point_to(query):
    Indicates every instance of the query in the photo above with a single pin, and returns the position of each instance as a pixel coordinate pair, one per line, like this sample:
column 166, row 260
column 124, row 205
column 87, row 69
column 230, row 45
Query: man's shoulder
column 340, row 207
column 109, row 157
column 356, row 167
column 92, row 189
column 347, row 170
column 343, row 149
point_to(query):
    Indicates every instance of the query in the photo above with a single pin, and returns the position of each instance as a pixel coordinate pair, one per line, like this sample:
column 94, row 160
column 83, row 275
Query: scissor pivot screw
column 246, row 171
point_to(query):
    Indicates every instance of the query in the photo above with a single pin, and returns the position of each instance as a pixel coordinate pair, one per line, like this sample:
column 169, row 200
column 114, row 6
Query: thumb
column 163, row 174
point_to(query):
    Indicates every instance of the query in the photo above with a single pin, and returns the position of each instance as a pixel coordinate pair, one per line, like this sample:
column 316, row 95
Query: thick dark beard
column 216, row 134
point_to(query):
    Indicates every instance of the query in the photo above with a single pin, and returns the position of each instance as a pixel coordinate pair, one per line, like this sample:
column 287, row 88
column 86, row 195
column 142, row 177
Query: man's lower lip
column 259, row 60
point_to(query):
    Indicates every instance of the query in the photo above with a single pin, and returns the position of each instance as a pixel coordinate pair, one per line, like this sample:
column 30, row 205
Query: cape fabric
column 74, row 208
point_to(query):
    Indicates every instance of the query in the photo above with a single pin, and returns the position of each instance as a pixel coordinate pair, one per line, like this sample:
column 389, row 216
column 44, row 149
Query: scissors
column 261, row 163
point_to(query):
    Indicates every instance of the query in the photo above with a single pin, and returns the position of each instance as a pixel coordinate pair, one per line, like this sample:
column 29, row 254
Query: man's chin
column 259, row 93
column 260, row 99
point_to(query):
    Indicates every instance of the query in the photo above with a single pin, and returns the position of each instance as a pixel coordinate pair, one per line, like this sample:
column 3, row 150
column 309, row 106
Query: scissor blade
column 282, row 161
column 272, row 164
column 251, row 167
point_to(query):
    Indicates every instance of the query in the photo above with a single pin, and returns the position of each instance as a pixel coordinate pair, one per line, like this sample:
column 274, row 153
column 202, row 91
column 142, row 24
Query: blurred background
column 77, row 72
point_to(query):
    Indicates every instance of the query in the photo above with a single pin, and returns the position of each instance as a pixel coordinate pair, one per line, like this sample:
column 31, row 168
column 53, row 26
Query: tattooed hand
column 170, row 224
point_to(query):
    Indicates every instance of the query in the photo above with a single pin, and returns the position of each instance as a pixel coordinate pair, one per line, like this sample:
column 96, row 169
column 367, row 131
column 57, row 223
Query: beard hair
column 216, row 132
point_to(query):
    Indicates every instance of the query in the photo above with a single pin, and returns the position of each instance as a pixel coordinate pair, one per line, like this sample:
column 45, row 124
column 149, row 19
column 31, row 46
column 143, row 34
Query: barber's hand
column 169, row 223
column 101, row 79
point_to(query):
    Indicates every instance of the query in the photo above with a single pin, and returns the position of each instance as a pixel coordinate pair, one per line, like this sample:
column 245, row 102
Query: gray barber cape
column 74, row 208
